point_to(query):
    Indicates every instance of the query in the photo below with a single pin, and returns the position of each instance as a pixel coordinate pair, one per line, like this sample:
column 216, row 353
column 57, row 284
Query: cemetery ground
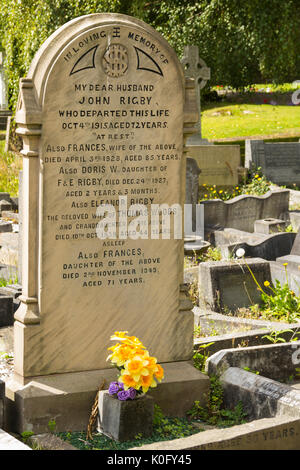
column 255, row 113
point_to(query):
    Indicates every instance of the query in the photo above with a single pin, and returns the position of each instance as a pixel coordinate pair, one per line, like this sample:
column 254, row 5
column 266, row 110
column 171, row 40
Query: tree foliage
column 242, row 42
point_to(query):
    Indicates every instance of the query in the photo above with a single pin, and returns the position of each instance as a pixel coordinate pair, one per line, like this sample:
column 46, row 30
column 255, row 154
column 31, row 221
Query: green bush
column 242, row 42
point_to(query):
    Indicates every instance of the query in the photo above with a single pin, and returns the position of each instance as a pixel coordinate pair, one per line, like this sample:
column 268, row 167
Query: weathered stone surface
column 269, row 225
column 275, row 361
column 123, row 420
column 268, row 247
column 290, row 273
column 219, row 164
column 5, row 205
column 230, row 236
column 279, row 161
column 115, row 127
column 6, row 339
column 137, row 123
column 213, row 322
column 8, row 442
column 229, row 284
column 5, row 226
column 6, row 310
column 195, row 68
column 281, row 433
column 5, row 197
column 292, row 259
column 261, row 397
column 9, row 251
column 192, row 190
column 68, row 398
column 49, row 441
column 256, row 337
column 294, row 217
column 10, row 215
column 13, row 290
column 242, row 211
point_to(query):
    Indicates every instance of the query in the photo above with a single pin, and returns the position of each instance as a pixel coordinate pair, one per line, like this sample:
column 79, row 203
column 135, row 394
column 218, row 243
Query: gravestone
column 255, row 245
column 219, row 164
column 195, row 67
column 292, row 259
column 228, row 285
column 192, row 187
column 102, row 113
column 241, row 212
column 279, row 161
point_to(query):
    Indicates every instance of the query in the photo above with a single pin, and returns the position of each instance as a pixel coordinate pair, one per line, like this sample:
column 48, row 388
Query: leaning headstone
column 255, row 245
column 279, row 161
column 241, row 212
column 195, row 67
column 103, row 113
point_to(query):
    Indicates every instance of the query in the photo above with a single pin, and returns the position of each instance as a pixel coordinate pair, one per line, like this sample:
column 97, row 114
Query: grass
column 10, row 165
column 233, row 121
column 164, row 430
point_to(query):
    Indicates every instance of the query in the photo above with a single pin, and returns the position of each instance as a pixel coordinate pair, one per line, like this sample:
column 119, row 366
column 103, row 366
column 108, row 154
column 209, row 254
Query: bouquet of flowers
column 138, row 370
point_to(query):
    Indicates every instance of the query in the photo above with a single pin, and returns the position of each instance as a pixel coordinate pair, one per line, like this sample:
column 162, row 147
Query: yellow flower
column 266, row 283
column 259, row 179
column 146, row 382
column 121, row 353
column 221, row 190
column 285, row 264
column 131, row 340
column 256, row 176
column 118, row 335
column 136, row 367
column 214, row 191
column 128, row 382
column 159, row 374
column 205, row 195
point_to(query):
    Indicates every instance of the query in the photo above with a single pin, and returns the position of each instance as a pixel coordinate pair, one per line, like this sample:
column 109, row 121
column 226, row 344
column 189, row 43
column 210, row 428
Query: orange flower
column 147, row 381
column 159, row 374
column 128, row 381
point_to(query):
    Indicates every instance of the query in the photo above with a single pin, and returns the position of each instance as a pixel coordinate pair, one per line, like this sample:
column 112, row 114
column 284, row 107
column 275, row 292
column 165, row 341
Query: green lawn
column 231, row 121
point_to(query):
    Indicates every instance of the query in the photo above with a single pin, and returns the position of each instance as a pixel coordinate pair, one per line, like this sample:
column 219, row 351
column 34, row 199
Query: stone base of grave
column 67, row 399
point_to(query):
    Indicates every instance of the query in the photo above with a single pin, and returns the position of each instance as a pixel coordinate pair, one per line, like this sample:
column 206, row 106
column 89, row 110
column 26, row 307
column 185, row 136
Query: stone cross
column 195, row 67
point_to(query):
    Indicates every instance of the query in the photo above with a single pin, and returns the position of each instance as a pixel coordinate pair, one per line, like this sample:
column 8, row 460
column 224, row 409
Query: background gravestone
column 279, row 161
column 195, row 67
column 113, row 127
column 192, row 187
column 242, row 211
column 219, row 164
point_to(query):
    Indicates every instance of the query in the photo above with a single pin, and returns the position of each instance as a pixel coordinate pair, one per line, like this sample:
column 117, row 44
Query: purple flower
column 113, row 388
column 121, row 386
column 132, row 393
column 123, row 395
